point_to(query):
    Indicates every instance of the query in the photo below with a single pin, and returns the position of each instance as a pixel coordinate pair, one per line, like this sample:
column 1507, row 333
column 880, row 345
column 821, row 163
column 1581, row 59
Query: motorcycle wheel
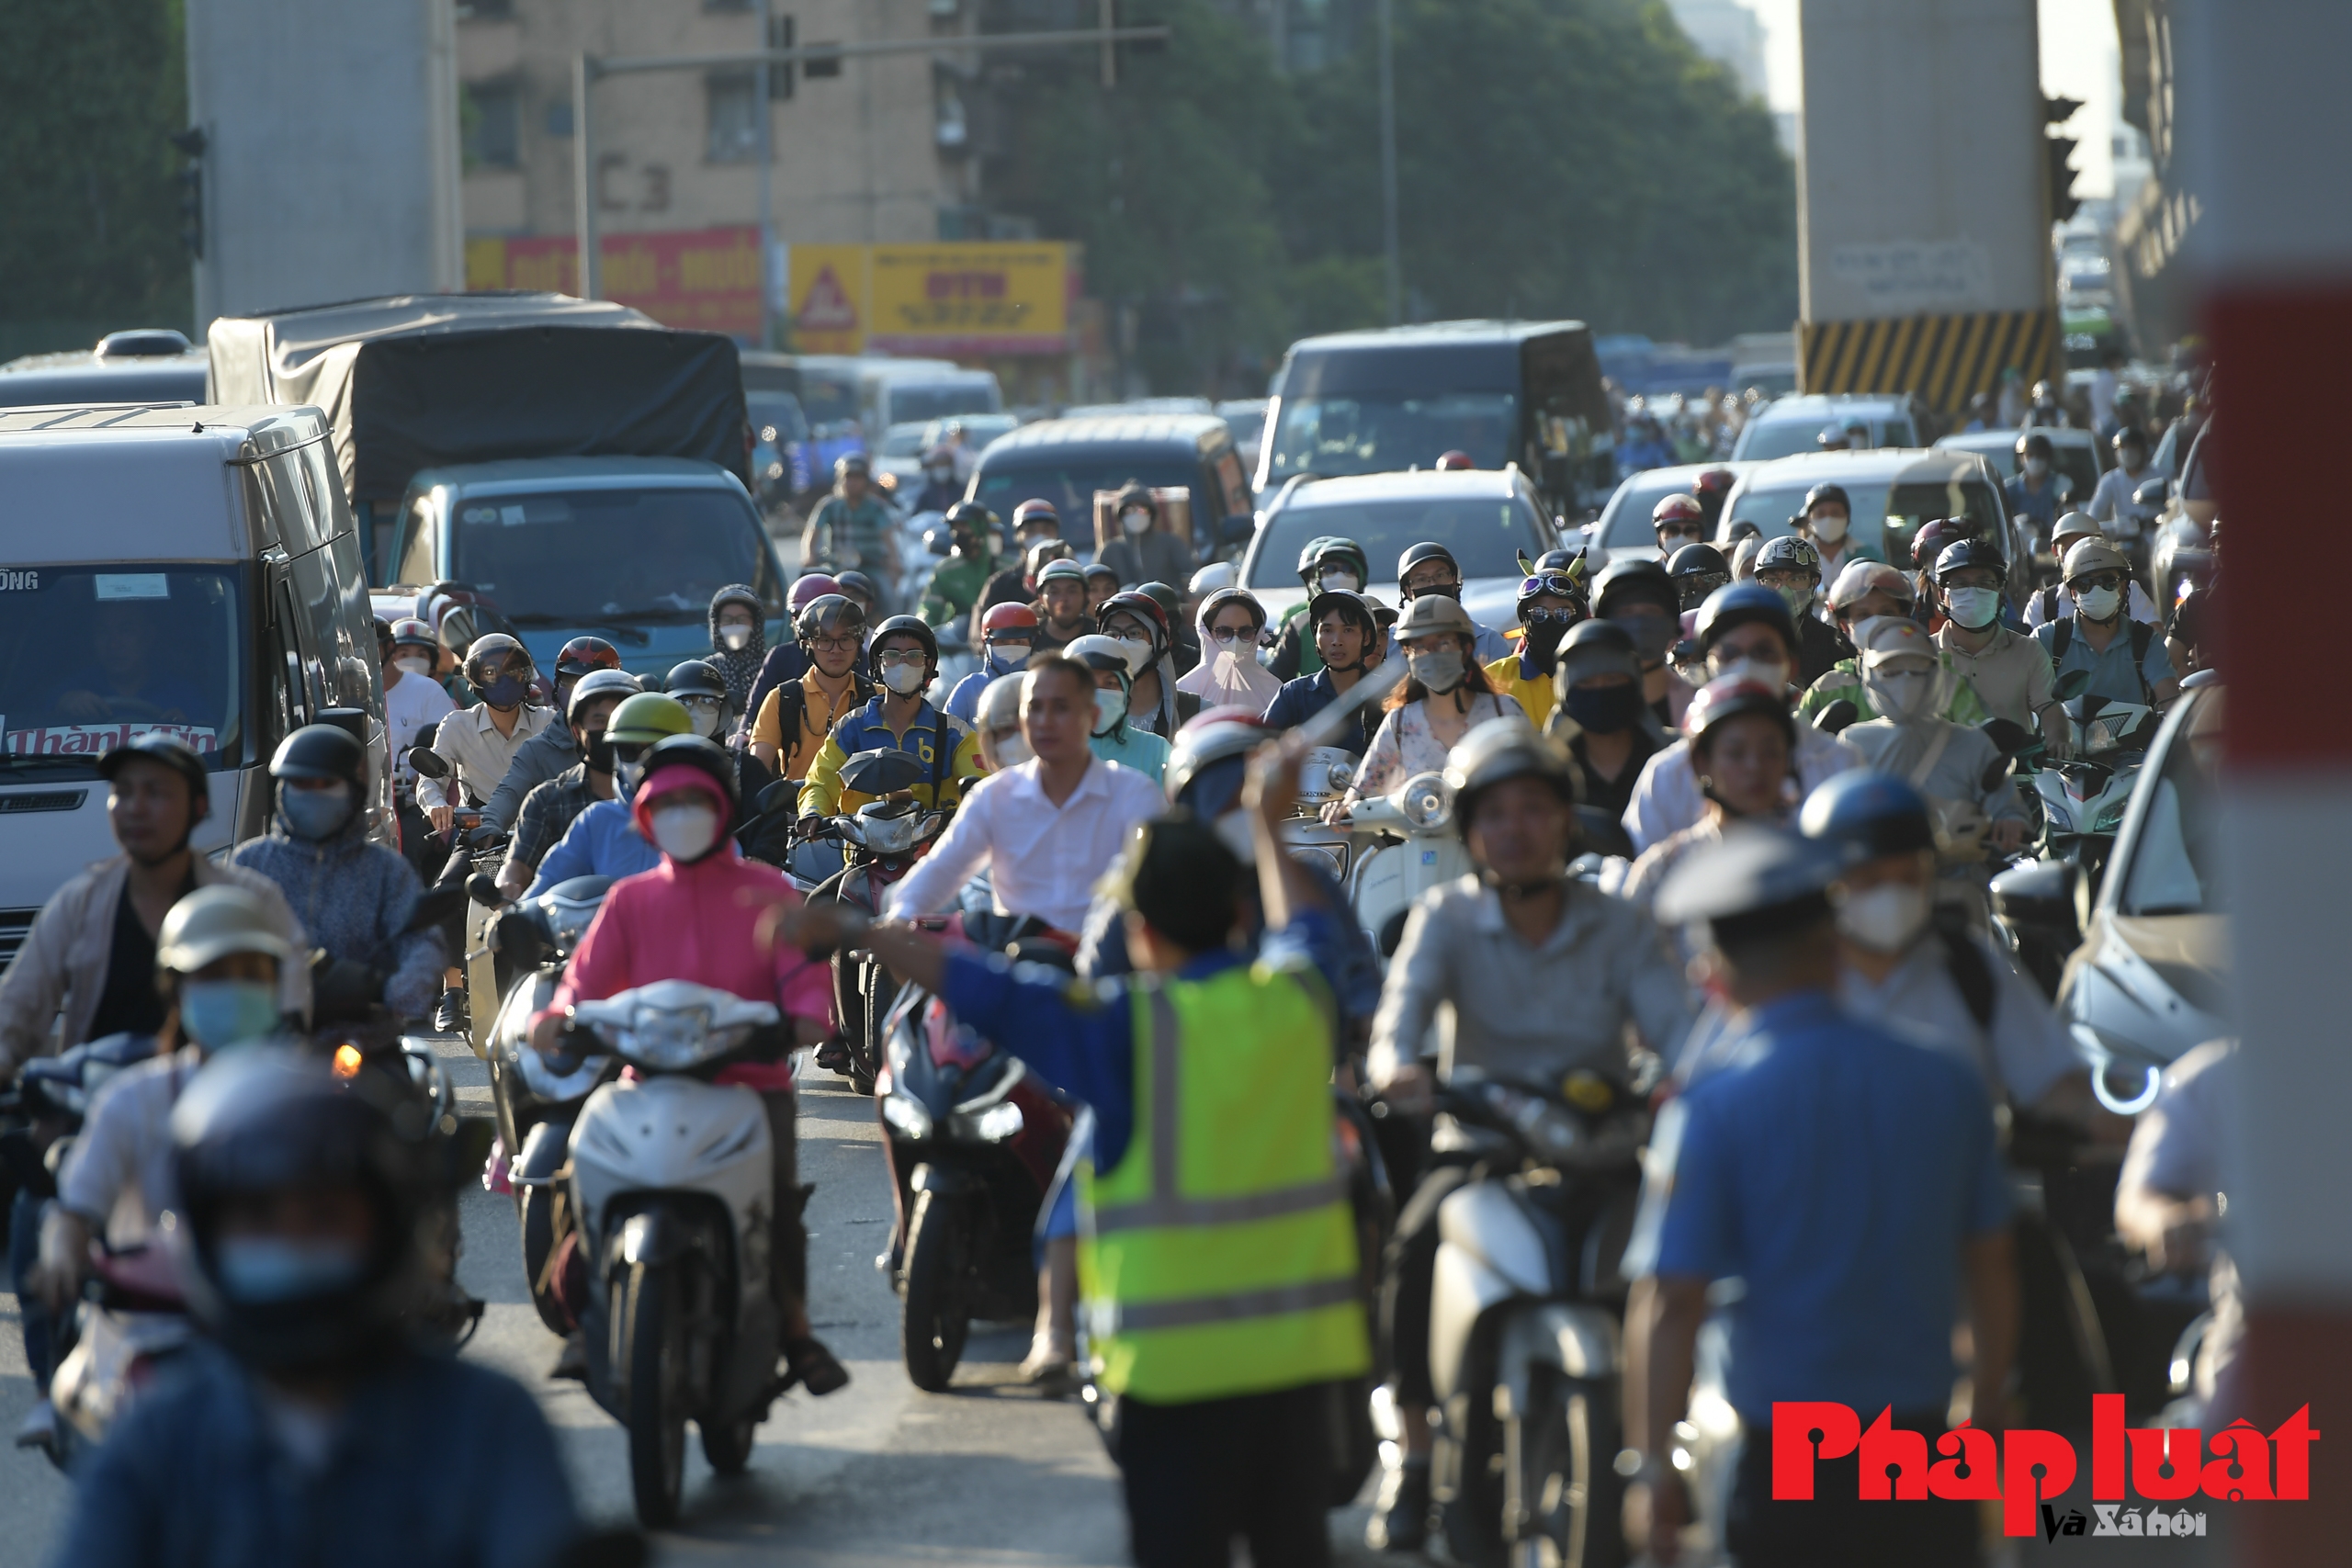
column 655, row 1349
column 1473, row 1515
column 937, row 1313
column 1568, row 1497
column 728, row 1445
column 537, row 1206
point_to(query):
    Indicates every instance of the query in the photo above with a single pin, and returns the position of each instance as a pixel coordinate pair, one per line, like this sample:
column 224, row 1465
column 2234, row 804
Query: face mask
column 314, row 813
column 1138, row 648
column 1544, row 639
column 1829, row 528
column 1135, row 522
column 685, row 832
column 262, row 1269
column 505, row 693
column 941, row 473
column 2036, row 466
column 1012, row 749
column 705, row 718
column 599, row 754
column 1234, row 830
column 1004, row 658
column 1771, row 672
column 216, row 1014
column 904, row 678
column 1652, row 635
column 1899, row 695
column 1439, row 670
column 1973, row 609
column 1605, row 710
column 414, row 666
column 1338, row 581
column 2100, row 604
column 1436, row 590
column 1110, row 708
column 1885, row 918
column 734, row 639
column 626, row 776
column 1798, row 599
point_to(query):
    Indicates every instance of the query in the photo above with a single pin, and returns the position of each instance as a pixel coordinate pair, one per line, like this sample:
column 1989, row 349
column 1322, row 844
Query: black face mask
column 599, row 753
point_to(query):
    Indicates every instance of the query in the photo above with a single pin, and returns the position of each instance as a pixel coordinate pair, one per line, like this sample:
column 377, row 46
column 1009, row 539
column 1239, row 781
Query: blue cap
column 1754, row 870
column 1867, row 815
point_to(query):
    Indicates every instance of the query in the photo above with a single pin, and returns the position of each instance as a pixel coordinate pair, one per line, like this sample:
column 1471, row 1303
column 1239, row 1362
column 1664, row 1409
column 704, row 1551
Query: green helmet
column 646, row 719
column 1324, row 545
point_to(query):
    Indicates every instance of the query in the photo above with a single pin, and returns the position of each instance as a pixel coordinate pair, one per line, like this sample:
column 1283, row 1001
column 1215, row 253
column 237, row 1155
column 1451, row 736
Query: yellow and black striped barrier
column 1945, row 359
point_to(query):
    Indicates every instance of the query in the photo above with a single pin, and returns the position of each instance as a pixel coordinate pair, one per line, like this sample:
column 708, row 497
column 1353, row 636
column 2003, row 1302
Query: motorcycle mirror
column 1996, row 773
column 1835, row 716
column 2070, row 685
column 429, row 762
column 778, row 799
column 434, row 905
column 2007, row 735
column 482, row 888
column 517, row 939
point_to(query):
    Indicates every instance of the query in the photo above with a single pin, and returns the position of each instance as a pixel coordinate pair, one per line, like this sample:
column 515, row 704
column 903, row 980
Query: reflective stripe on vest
column 1251, row 1284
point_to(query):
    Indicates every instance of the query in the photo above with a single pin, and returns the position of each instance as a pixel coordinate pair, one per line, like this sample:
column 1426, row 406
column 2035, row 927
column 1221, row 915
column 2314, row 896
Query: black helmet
column 267, row 1119
column 902, row 625
column 971, row 514
column 322, row 752
column 1739, row 604
column 1562, row 559
column 858, row 582
column 830, row 615
column 704, row 756
column 1501, row 750
column 2033, row 444
column 695, row 678
column 2130, row 435
column 1427, row 550
column 1697, row 571
column 1350, row 603
column 1967, row 553
column 158, row 748
column 1625, row 581
column 1821, row 493
column 1597, row 648
column 1171, row 603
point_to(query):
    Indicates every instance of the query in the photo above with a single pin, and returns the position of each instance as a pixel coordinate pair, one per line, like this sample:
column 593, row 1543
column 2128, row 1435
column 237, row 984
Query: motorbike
column 973, row 1141
column 1525, row 1314
column 1410, row 847
column 669, row 1185
column 879, row 843
column 1324, row 775
column 2083, row 798
column 131, row 1320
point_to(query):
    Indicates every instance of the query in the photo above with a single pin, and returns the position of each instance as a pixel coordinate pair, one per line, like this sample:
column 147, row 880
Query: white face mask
column 1901, row 695
column 1110, row 708
column 1772, row 672
column 1338, row 581
column 705, row 718
column 1829, row 528
column 1973, row 609
column 734, row 639
column 1135, row 521
column 2100, row 604
column 414, row 666
column 1885, row 918
column 684, row 831
column 2036, row 466
column 904, row 678
column 1011, row 748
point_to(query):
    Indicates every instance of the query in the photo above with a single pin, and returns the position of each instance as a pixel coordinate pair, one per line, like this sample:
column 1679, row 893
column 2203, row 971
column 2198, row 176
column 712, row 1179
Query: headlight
column 998, row 1123
column 887, row 835
column 906, row 1116
column 1426, row 801
column 1332, row 858
column 669, row 1039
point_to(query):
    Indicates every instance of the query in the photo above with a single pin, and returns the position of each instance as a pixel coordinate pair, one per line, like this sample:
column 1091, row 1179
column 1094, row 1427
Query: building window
column 560, row 117
column 492, row 121
column 734, row 99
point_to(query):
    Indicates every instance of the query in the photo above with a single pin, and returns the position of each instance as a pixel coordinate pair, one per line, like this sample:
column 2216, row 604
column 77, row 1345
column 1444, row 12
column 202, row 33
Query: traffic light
column 2063, row 199
column 191, row 142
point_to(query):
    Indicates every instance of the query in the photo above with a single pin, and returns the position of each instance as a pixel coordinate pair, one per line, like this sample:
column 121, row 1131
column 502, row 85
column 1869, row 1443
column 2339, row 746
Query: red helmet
column 1712, row 481
column 583, row 654
column 807, row 589
column 1935, row 534
column 1677, row 508
column 1452, row 460
column 1007, row 618
column 1034, row 509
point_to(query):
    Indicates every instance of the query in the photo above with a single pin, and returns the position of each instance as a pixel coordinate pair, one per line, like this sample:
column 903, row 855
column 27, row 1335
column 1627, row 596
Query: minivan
column 189, row 570
column 629, row 549
column 1068, row 461
column 920, row 392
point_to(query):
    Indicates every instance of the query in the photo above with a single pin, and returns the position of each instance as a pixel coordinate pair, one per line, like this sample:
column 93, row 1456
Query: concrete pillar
column 2264, row 120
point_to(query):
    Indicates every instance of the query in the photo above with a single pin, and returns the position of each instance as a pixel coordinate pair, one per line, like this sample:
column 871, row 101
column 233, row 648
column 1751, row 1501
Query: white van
column 919, row 392
column 186, row 568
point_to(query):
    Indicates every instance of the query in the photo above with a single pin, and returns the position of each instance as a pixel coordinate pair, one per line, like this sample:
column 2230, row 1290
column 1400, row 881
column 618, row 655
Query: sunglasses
column 1548, row 616
column 1224, row 635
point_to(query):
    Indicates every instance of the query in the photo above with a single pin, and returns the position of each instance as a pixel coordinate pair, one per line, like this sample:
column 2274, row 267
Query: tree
column 89, row 205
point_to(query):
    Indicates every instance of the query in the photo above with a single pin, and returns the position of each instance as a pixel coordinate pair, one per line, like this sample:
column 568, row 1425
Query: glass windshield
column 91, row 656
column 1382, row 433
column 1767, row 438
column 575, row 558
column 1486, row 537
column 778, row 412
column 1247, row 424
column 2177, row 866
column 901, row 441
column 1627, row 516
column 1882, row 519
column 920, row 403
column 1072, row 486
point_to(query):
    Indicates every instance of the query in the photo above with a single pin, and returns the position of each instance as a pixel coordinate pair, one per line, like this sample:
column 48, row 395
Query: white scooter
column 671, row 1188
column 1412, row 848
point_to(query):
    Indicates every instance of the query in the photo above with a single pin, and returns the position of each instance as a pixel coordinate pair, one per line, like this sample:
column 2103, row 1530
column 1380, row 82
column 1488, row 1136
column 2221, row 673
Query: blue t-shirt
column 2112, row 676
column 602, row 841
column 1838, row 1170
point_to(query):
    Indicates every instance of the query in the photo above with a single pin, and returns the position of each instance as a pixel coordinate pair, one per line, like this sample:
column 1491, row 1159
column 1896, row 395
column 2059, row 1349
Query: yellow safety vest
column 1218, row 1256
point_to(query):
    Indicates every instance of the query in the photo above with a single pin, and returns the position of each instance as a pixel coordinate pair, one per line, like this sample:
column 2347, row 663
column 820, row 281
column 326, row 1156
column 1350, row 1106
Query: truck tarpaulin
column 426, row 381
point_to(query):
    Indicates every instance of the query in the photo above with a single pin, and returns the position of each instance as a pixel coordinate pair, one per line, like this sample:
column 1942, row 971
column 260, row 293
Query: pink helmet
column 809, row 588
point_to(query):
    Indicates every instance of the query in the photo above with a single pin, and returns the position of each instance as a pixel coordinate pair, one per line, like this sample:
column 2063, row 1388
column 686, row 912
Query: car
column 1487, row 518
column 1623, row 530
column 1069, row 461
column 1889, row 494
column 1246, row 417
column 900, row 455
column 2079, row 456
column 629, row 549
column 151, row 365
column 1793, row 424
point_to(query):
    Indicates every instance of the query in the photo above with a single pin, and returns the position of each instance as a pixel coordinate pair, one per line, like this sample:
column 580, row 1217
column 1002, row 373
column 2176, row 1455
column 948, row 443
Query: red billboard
column 706, row 279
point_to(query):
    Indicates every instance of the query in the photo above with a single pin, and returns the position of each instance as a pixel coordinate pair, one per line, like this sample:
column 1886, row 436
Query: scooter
column 132, row 1319
column 1524, row 1319
column 1413, row 848
column 670, row 1183
column 2083, row 798
column 973, row 1141
column 1324, row 775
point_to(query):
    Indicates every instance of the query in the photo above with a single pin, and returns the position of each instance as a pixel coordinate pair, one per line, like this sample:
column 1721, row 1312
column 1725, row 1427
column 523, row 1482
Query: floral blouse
column 1404, row 746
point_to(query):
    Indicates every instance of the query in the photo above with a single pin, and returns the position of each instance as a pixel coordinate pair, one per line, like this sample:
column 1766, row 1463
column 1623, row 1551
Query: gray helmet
column 1431, row 614
column 597, row 684
column 1497, row 751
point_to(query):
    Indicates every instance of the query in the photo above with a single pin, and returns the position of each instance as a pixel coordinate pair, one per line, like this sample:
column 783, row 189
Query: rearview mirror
column 482, row 888
column 2072, row 684
column 2007, row 735
column 429, row 762
column 1237, row 529
column 779, row 798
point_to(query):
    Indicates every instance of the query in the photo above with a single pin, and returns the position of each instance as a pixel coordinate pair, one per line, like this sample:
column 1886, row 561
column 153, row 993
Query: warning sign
column 828, row 308
column 972, row 299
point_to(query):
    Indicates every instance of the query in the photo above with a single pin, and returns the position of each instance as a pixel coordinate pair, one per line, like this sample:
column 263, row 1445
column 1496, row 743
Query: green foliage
column 89, row 210
column 1556, row 158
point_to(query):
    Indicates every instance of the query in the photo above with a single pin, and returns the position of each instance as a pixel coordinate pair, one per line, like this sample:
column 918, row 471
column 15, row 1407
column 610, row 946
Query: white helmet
column 1101, row 652
column 1216, row 575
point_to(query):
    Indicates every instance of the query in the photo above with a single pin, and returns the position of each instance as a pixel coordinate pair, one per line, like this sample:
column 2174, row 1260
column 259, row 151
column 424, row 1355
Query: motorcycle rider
column 479, row 743
column 2169, row 1200
column 739, row 650
column 1223, row 1428
column 1826, row 521
column 1140, row 622
column 1347, row 639
column 2037, row 493
column 1712, row 487
column 1639, row 596
column 1428, row 569
column 2111, row 502
column 1007, row 635
column 1100, row 583
column 549, row 810
column 702, row 692
column 1230, row 622
column 1864, row 590
column 547, row 754
column 1697, row 571
column 1904, row 675
column 354, row 898
column 799, row 716
column 1743, row 629
column 957, row 582
column 1900, row 1165
column 1536, row 974
column 1678, row 520
column 2054, row 602
column 903, row 659
column 863, row 591
column 86, row 969
column 1442, row 698
column 788, row 661
column 941, row 488
column 851, row 528
column 1062, row 612
column 415, row 704
column 1550, row 602
column 1741, row 739
column 302, row 1426
column 1609, row 731
column 1135, row 542
column 1113, row 738
column 2127, row 659
column 1792, row 568
column 2006, row 670
column 1034, row 520
column 604, row 840
column 694, row 917
column 1327, row 564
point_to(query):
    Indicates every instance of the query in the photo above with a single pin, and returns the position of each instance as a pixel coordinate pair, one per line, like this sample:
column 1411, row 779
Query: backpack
column 2142, row 634
column 792, row 709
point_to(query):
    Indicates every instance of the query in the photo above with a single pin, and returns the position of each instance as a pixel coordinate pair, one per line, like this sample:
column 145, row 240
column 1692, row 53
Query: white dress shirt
column 472, row 747
column 1667, row 797
column 1043, row 859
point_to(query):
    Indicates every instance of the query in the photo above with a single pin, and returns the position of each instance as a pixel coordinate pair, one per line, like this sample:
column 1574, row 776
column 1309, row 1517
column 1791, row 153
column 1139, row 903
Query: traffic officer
column 1849, row 1177
column 1220, row 1335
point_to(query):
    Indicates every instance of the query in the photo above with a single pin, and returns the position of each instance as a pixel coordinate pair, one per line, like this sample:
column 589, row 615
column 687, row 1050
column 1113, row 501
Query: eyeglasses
column 898, row 655
column 2098, row 580
column 1556, row 582
column 831, row 644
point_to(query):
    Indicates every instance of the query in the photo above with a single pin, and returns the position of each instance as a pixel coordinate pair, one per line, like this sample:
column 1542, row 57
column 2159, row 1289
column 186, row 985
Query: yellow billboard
column 959, row 299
